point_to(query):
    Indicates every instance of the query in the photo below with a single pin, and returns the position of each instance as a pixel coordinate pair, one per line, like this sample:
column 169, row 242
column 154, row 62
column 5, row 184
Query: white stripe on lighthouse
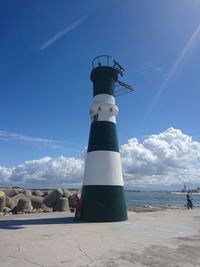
column 103, row 168
column 105, row 98
column 104, row 106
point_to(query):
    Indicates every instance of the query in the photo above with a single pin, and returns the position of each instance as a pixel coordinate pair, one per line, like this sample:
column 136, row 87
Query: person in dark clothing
column 189, row 200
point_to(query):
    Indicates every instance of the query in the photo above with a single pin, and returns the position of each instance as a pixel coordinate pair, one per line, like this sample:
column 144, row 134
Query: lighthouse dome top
column 107, row 61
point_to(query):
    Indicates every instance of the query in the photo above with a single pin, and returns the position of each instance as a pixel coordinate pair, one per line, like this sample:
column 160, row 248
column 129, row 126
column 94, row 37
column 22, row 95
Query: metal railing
column 103, row 60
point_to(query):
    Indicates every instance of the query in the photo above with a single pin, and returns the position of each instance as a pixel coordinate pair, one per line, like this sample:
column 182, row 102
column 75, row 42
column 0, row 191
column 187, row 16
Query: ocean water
column 157, row 199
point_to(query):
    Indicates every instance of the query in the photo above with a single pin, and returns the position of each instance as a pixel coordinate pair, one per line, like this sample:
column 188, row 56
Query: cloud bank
column 44, row 173
column 165, row 160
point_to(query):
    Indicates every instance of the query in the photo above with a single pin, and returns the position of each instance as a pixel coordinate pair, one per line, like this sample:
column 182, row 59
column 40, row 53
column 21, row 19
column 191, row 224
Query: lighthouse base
column 103, row 203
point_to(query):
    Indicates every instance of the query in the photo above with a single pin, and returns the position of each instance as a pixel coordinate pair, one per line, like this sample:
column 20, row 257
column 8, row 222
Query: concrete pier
column 163, row 238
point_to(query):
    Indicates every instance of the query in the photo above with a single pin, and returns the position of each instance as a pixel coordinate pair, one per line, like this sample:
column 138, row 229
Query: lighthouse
column 102, row 196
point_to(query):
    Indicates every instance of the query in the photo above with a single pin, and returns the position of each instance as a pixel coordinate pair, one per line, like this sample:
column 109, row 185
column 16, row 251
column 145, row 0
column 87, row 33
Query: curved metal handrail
column 103, row 60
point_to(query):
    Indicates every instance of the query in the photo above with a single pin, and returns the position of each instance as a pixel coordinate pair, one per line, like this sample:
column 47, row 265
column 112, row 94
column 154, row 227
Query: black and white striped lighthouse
column 102, row 197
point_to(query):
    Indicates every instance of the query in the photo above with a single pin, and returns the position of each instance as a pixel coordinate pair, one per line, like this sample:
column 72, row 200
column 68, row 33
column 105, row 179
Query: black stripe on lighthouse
column 103, row 136
column 103, row 203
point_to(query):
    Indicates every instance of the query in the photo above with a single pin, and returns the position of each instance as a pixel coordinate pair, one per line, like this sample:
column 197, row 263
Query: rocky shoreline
column 15, row 201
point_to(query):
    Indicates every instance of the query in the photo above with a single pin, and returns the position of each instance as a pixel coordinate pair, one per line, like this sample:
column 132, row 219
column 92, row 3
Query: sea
column 158, row 199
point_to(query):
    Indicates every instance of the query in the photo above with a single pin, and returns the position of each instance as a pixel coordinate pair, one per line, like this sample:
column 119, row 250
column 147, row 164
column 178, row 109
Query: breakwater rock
column 32, row 201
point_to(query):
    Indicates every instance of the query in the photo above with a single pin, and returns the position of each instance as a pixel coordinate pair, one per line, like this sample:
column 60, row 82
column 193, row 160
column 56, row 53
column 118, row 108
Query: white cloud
column 5, row 174
column 168, row 159
column 16, row 137
column 58, row 35
column 46, row 172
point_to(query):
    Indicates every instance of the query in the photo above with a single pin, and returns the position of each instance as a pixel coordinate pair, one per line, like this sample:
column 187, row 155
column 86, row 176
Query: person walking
column 189, row 200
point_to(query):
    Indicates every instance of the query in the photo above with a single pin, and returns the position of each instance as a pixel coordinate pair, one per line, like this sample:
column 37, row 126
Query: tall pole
column 102, row 198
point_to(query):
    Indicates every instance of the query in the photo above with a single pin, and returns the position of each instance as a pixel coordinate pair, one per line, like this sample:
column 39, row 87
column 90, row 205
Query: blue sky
column 46, row 51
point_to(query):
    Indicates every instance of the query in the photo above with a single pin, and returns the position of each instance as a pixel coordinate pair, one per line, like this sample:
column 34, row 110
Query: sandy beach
column 163, row 238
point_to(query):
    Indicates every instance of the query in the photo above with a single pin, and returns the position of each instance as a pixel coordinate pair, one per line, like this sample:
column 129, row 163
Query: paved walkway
column 164, row 238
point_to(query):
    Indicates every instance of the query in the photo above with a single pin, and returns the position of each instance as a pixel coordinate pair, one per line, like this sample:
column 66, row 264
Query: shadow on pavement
column 17, row 224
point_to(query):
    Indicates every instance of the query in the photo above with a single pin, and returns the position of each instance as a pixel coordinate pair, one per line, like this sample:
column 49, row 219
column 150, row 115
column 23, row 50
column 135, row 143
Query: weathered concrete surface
column 164, row 238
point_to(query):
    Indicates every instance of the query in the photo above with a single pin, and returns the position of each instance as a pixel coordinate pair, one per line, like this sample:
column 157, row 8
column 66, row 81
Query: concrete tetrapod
column 62, row 204
column 15, row 200
column 11, row 192
column 2, row 201
column 10, row 203
column 36, row 202
column 24, row 204
column 51, row 198
column 37, row 192
column 27, row 193
column 66, row 193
